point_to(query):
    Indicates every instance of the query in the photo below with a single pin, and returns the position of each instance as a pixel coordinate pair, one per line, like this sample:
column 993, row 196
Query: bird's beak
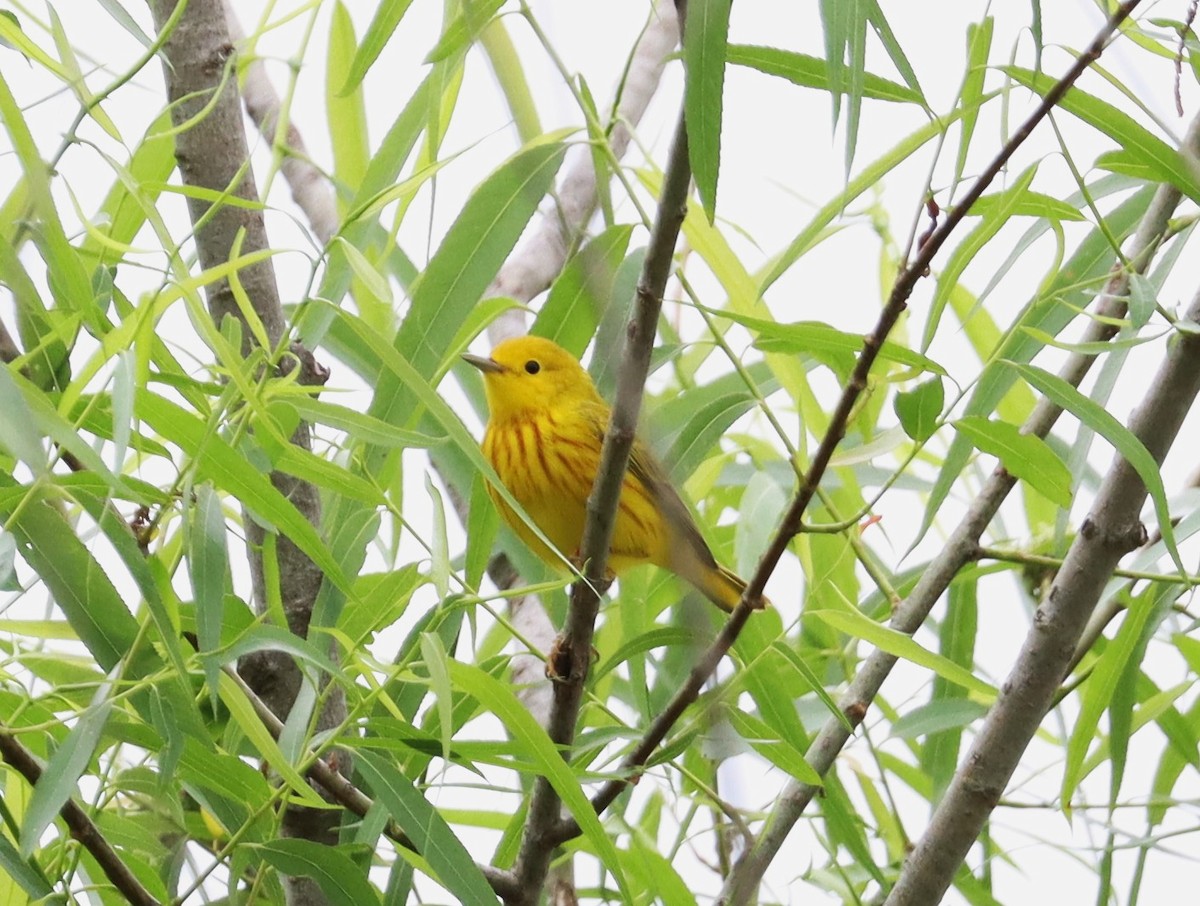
column 487, row 366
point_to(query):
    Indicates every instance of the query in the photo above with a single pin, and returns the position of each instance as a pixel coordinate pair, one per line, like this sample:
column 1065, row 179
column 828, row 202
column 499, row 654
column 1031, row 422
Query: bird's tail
column 724, row 588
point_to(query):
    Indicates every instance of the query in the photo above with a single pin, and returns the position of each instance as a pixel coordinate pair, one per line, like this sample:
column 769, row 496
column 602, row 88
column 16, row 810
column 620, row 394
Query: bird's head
column 528, row 374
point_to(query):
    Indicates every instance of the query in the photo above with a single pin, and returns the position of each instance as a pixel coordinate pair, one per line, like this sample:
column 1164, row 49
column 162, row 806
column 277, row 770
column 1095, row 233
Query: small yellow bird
column 543, row 439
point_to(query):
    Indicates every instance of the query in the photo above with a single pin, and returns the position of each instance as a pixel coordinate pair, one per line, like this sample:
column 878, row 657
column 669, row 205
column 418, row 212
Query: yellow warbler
column 543, row 439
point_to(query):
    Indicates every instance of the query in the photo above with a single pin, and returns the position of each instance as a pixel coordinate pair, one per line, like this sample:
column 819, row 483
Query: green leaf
column 475, row 246
column 581, row 292
column 812, row 72
column 1103, row 690
column 58, row 782
column 1028, row 204
column 811, row 337
column 1050, row 310
column 771, row 746
column 919, row 409
column 1024, row 456
column 510, row 76
column 18, row 429
column 937, row 717
column 229, row 470
column 26, row 873
column 342, row 882
column 387, row 17
column 1166, row 163
column 208, row 563
column 345, row 110
column 704, row 42
column 498, row 698
column 1103, row 423
column 358, row 425
column 80, row 586
column 904, row 646
column 970, row 246
column 979, row 45
column 430, row 834
column 475, row 16
column 434, row 656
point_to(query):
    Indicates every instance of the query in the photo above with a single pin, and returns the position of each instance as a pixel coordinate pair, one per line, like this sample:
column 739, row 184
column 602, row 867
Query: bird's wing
column 647, row 469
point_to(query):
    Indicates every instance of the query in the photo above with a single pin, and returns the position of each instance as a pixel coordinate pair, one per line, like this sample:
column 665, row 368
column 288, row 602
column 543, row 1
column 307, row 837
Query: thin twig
column 81, row 826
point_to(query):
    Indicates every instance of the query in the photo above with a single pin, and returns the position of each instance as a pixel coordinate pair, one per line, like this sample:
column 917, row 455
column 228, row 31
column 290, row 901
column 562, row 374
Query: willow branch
column 212, row 154
column 575, row 645
column 1111, row 530
column 82, row 827
column 963, row 542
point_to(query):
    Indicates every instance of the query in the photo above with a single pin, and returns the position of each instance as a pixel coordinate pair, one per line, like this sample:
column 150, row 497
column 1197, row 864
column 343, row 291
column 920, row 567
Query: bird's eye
column 532, row 366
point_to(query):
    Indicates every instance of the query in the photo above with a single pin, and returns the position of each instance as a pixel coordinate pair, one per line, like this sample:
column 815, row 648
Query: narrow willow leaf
column 18, row 429
column 1103, row 423
column 971, row 245
column 208, row 563
column 1028, row 204
column 1110, row 677
column 372, row 279
column 1050, row 311
column 61, row 776
column 813, row 336
column 1024, row 456
column 581, row 292
column 812, row 72
column 771, row 746
column 1166, row 163
column 8, row 564
column 434, row 656
column 979, row 46
column 25, row 873
column 433, row 838
column 345, row 110
column 358, row 425
column 80, row 586
column 472, row 251
column 919, row 409
column 387, row 17
column 704, row 42
column 227, row 468
column 510, row 76
column 464, row 28
column 499, row 699
column 904, row 646
column 937, row 717
column 342, row 882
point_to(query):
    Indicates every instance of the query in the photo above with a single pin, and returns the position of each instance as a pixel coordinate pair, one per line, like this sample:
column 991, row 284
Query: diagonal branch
column 963, row 542
column 751, row 866
column 81, row 826
column 1111, row 530
column 575, row 645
